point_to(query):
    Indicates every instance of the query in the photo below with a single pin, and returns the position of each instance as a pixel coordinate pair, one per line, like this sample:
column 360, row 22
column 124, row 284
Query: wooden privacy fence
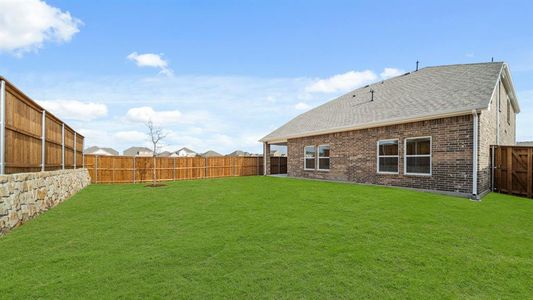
column 278, row 165
column 130, row 169
column 31, row 138
column 513, row 170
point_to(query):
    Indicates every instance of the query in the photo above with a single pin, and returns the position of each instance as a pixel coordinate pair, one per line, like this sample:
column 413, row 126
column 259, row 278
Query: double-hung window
column 323, row 157
column 418, row 156
column 309, row 158
column 388, row 156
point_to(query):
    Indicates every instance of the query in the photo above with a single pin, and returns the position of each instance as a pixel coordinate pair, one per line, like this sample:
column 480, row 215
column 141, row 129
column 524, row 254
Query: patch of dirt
column 155, row 185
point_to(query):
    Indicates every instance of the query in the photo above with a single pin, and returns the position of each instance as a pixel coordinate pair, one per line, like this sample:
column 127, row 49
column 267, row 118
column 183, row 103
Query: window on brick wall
column 323, row 157
column 418, row 156
column 309, row 157
column 388, row 156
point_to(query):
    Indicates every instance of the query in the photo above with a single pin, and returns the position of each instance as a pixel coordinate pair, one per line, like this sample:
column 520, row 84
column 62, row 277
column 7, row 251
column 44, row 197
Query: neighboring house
column 164, row 154
column 137, row 151
column 210, row 153
column 184, row 152
column 277, row 153
column 429, row 129
column 239, row 153
column 95, row 150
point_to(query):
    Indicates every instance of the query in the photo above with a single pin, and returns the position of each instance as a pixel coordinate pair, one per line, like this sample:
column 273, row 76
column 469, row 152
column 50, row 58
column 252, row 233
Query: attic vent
column 366, row 86
column 406, row 73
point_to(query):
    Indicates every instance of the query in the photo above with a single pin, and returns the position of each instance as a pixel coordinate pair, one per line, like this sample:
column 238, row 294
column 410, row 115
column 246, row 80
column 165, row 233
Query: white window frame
column 378, row 156
column 420, row 155
column 319, row 157
column 305, row 158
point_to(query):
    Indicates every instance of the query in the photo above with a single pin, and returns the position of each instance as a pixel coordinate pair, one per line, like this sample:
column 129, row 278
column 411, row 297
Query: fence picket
column 182, row 168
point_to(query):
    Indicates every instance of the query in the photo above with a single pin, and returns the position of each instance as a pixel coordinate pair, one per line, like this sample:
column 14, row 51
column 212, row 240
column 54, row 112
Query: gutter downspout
column 498, row 115
column 2, row 126
column 475, row 155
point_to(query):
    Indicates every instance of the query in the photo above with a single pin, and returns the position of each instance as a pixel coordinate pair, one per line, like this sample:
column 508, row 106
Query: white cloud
column 144, row 114
column 131, row 136
column 390, row 72
column 75, row 110
column 342, row 82
column 151, row 60
column 302, row 106
column 26, row 24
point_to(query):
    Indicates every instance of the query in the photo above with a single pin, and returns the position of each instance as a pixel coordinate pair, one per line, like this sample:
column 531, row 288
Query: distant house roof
column 210, row 153
column 164, row 154
column 429, row 93
column 186, row 150
column 101, row 151
column 132, row 151
column 525, row 143
column 238, row 153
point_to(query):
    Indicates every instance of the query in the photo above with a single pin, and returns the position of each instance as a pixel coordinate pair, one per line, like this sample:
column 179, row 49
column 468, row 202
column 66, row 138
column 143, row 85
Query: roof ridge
column 465, row 64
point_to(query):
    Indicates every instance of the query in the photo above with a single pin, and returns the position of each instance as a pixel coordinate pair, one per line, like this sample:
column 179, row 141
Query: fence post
column 529, row 175
column 2, row 126
column 74, row 150
column 83, row 153
column 134, row 170
column 43, row 141
column 63, row 146
column 96, row 168
column 205, row 175
column 174, row 169
column 113, row 170
column 509, row 170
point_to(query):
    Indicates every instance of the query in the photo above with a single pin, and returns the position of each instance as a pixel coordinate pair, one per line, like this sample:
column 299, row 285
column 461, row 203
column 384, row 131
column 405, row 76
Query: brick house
column 431, row 129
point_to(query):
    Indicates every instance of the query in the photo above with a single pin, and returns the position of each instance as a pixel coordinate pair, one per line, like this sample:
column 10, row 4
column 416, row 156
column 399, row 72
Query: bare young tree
column 156, row 136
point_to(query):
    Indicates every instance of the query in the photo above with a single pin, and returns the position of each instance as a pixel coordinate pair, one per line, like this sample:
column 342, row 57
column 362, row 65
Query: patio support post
column 266, row 159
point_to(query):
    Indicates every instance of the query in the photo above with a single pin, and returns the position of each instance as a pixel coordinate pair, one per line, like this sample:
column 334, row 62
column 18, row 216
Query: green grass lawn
column 265, row 237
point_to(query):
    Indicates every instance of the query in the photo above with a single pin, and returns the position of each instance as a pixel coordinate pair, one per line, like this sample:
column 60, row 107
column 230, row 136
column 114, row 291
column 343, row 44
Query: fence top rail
column 513, row 146
column 34, row 104
column 163, row 157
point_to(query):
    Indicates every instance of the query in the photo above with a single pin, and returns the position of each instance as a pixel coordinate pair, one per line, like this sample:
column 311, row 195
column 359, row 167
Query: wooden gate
column 513, row 170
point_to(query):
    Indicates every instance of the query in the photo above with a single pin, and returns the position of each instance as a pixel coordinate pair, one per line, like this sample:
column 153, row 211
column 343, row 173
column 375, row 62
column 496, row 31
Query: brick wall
column 353, row 155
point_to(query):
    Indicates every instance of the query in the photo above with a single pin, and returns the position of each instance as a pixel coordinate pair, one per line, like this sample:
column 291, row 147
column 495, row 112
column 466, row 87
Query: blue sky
column 222, row 74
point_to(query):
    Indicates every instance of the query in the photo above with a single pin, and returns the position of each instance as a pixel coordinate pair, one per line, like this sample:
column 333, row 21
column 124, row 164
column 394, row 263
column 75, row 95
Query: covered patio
column 275, row 158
